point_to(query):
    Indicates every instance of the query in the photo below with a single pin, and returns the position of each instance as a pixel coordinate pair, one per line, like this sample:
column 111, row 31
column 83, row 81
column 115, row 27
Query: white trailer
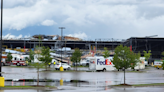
column 100, row 64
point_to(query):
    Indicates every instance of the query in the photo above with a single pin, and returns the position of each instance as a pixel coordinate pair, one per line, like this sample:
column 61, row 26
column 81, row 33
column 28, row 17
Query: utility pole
column 61, row 39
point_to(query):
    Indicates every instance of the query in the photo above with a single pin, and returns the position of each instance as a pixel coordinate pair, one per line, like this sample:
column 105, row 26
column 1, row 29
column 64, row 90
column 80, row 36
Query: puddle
column 96, row 81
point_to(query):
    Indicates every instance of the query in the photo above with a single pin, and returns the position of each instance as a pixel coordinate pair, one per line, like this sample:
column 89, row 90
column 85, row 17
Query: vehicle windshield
column 64, row 64
column 57, row 64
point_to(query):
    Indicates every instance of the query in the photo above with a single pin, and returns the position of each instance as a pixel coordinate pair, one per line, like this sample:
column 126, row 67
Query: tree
column 106, row 53
column 163, row 60
column 147, row 55
column 45, row 56
column 134, row 59
column 9, row 57
column 37, row 66
column 123, row 58
column 76, row 56
column 31, row 56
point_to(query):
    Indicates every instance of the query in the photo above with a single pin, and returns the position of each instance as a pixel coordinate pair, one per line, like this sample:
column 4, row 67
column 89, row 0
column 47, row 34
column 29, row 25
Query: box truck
column 100, row 64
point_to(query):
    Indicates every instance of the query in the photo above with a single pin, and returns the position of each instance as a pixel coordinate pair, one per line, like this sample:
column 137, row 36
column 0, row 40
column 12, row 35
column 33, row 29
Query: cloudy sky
column 86, row 19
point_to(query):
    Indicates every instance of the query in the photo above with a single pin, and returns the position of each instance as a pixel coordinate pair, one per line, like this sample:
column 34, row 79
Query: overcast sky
column 86, row 19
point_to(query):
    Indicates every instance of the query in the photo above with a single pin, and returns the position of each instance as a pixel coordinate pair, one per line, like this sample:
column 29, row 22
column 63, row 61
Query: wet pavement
column 97, row 81
column 79, row 89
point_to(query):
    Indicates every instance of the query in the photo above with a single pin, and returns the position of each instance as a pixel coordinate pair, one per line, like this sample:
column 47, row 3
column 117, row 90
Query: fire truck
column 4, row 62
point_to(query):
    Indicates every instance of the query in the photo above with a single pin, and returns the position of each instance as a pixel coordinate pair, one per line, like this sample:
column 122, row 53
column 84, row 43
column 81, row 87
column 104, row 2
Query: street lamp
column 1, row 36
column 2, row 79
column 61, row 39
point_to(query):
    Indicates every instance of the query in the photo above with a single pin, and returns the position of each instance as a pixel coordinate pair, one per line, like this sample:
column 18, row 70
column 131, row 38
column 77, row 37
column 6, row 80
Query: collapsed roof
column 56, row 37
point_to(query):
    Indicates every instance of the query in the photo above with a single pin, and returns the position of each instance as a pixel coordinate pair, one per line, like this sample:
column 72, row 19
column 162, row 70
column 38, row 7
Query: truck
column 3, row 61
column 158, row 64
column 99, row 63
column 84, row 62
column 19, row 60
column 141, row 64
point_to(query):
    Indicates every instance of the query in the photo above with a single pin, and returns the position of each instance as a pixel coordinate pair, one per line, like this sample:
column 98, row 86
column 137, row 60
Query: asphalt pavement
column 96, row 81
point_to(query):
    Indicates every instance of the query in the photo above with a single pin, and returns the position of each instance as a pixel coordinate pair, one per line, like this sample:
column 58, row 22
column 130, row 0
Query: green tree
column 37, row 66
column 31, row 56
column 163, row 60
column 123, row 58
column 45, row 56
column 106, row 53
column 76, row 56
column 135, row 57
column 9, row 57
column 147, row 55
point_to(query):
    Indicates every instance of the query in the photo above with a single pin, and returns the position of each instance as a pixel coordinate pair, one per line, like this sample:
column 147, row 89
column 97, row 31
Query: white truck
column 100, row 64
column 141, row 64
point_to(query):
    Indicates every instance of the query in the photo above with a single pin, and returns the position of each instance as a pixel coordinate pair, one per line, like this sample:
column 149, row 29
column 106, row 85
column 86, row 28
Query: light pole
column 61, row 39
column 2, row 79
column 1, row 36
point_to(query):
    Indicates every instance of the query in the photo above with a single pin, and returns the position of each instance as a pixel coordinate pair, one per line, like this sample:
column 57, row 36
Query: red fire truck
column 4, row 62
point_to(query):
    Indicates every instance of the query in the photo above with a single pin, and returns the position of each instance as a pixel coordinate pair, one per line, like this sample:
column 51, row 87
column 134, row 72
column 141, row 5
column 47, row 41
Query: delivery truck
column 100, row 64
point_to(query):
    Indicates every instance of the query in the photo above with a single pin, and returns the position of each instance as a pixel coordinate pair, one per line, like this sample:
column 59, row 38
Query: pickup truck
column 64, row 65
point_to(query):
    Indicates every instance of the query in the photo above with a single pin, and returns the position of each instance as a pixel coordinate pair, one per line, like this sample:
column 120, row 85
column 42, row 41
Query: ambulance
column 99, row 63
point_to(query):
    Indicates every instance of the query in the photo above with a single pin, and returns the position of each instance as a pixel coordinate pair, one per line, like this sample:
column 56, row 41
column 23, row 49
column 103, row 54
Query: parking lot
column 95, row 80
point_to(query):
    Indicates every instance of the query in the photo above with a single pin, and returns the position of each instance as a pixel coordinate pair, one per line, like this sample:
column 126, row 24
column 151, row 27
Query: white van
column 100, row 64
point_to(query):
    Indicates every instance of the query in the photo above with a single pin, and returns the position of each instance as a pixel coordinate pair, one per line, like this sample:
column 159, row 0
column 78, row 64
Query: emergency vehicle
column 19, row 60
column 3, row 61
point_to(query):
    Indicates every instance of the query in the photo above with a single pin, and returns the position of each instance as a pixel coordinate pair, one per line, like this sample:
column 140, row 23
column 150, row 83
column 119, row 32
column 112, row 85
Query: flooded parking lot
column 91, row 89
column 96, row 81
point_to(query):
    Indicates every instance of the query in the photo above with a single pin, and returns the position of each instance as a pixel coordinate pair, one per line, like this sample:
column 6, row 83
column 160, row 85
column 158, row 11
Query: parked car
column 84, row 62
column 74, row 64
column 64, row 65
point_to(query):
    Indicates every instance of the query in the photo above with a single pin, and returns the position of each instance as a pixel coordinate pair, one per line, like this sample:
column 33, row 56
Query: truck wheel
column 18, row 64
column 68, row 68
column 104, row 70
column 2, row 64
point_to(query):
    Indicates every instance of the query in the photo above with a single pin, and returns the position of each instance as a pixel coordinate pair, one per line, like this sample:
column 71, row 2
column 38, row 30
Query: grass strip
column 140, row 85
column 17, row 87
column 152, row 84
column 27, row 87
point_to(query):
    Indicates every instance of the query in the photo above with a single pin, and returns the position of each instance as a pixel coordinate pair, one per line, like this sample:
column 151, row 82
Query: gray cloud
column 96, row 18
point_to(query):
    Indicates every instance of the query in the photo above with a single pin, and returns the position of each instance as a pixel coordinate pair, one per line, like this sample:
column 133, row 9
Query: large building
column 138, row 44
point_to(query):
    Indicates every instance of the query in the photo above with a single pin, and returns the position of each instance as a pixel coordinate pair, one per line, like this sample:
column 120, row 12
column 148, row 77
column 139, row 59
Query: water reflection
column 1, row 90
